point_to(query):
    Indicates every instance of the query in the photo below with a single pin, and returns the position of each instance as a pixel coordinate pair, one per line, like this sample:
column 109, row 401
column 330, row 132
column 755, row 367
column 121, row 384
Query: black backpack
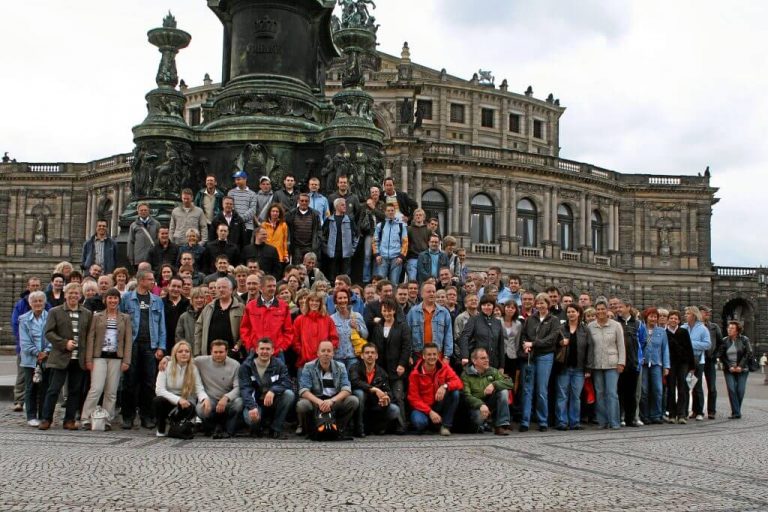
column 326, row 428
column 180, row 424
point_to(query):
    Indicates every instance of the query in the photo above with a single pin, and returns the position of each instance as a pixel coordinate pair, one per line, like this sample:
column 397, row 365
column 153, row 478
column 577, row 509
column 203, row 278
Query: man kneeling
column 219, row 374
column 433, row 392
column 266, row 389
column 324, row 386
column 487, row 392
column 370, row 384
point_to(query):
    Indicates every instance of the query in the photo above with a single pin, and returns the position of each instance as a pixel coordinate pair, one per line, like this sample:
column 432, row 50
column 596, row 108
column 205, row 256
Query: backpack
column 180, row 424
column 326, row 428
column 381, row 232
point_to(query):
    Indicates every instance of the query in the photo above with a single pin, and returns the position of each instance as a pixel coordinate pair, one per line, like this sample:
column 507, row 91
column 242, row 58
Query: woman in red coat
column 312, row 327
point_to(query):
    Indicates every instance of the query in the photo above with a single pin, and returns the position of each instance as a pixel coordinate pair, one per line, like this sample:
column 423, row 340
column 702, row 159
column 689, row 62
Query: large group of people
column 242, row 316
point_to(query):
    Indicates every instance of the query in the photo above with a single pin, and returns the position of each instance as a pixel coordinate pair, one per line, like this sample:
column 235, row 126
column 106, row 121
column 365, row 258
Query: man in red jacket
column 433, row 392
column 267, row 317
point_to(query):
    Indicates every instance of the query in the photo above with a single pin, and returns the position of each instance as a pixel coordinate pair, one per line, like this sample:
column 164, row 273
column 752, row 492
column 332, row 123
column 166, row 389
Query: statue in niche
column 664, row 246
column 41, row 226
column 353, row 73
column 141, row 171
column 173, row 171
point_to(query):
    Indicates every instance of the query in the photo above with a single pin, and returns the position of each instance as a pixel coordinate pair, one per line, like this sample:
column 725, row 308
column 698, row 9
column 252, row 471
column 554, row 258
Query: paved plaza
column 711, row 465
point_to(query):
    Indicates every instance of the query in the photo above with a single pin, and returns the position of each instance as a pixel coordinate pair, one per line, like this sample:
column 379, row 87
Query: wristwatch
column 445, row 386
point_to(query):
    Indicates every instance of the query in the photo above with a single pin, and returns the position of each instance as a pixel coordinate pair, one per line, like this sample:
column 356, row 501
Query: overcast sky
column 650, row 86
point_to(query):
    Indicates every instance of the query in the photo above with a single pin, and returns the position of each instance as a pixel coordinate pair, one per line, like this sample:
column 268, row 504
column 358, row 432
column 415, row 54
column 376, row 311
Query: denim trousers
column 390, row 268
column 229, row 419
column 736, row 383
column 570, row 381
column 650, row 400
column 606, row 384
column 536, row 379
column 279, row 409
column 498, row 403
column 445, row 408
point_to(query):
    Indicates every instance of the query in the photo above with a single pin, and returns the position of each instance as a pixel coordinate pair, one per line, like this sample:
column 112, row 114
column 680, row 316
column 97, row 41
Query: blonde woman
column 178, row 385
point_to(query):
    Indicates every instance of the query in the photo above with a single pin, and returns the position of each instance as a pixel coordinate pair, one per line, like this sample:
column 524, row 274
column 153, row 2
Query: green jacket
column 475, row 384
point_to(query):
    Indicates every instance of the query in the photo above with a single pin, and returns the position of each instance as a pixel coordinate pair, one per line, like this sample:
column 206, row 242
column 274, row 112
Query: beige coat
column 96, row 334
column 236, row 311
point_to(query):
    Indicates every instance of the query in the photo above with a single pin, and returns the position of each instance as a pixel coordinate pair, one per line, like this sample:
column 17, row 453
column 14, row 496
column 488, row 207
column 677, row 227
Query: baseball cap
column 240, row 174
column 265, row 178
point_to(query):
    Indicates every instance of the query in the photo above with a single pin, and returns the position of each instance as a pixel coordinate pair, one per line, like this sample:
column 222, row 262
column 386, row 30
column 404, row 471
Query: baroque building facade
column 482, row 159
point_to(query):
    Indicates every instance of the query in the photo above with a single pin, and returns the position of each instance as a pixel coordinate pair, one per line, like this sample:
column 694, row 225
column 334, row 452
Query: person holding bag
column 34, row 352
column 347, row 323
column 107, row 355
column 735, row 355
column 178, row 386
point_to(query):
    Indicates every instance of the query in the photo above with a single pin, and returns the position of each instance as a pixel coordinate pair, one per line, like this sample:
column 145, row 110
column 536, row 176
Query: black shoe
column 127, row 423
column 148, row 423
column 218, row 432
column 359, row 432
column 278, row 435
column 543, row 429
column 522, row 428
column 577, row 427
column 561, row 428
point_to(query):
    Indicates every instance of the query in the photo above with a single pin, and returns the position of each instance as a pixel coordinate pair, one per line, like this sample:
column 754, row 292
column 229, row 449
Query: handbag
column 180, row 424
column 357, row 342
column 560, row 354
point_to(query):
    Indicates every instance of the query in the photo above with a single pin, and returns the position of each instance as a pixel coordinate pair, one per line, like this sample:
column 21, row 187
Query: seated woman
column 107, row 355
column 178, row 385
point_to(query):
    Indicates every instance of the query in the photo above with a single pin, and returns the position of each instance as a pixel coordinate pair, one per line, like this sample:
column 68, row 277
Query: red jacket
column 308, row 331
column 267, row 322
column 422, row 386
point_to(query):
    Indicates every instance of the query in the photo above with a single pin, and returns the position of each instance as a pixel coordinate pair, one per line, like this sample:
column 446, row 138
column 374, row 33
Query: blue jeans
column 606, row 384
column 498, row 403
column 541, row 368
column 390, row 268
column 34, row 394
column 279, row 410
column 650, row 401
column 736, row 383
column 569, row 384
column 367, row 258
column 229, row 418
column 410, row 268
column 445, row 408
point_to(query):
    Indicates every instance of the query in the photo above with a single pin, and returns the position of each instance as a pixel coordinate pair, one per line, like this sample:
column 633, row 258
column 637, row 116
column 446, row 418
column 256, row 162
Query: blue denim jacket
column 312, row 379
column 656, row 351
column 442, row 331
column 130, row 305
column 32, row 338
column 699, row 340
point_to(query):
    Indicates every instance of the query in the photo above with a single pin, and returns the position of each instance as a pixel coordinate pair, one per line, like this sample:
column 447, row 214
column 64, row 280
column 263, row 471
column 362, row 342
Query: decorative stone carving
column 41, row 213
column 664, row 225
column 161, row 169
column 258, row 160
column 486, row 77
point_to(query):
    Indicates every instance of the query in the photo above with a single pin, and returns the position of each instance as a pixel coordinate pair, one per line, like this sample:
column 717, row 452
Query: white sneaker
column 34, row 423
column 699, row 417
column 160, row 434
column 639, row 423
column 623, row 424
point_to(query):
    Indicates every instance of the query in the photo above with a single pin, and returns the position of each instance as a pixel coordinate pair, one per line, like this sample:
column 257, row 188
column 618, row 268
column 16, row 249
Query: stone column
column 465, row 207
column 585, row 218
column 684, row 228
column 115, row 210
column 91, row 213
column 454, row 208
column 417, row 186
column 513, row 244
column 615, row 226
column 611, row 228
column 546, row 220
column 504, row 210
column 388, row 169
column 404, row 174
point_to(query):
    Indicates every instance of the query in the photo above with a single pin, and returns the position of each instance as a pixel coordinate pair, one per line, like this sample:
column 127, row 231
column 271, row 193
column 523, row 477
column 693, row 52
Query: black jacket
column 716, row 336
column 581, row 344
column 630, row 327
column 395, row 350
column 486, row 332
column 160, row 256
column 680, row 348
column 358, row 380
column 216, row 248
column 236, row 229
column 372, row 310
column 405, row 204
column 288, row 200
column 743, row 352
column 253, row 389
column 266, row 255
column 544, row 334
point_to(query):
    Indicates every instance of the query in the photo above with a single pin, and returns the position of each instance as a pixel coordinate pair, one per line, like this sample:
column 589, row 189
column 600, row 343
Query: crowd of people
column 241, row 315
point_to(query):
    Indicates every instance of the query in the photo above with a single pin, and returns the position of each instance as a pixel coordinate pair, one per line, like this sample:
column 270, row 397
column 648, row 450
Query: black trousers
column 628, row 393
column 163, row 408
column 677, row 391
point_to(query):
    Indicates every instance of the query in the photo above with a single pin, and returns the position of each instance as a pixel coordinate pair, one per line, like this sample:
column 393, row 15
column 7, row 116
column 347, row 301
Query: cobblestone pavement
column 711, row 465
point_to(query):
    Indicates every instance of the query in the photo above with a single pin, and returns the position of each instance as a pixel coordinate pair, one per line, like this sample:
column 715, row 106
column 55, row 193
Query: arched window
column 481, row 228
column 565, row 227
column 434, row 204
column 597, row 232
column 526, row 223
